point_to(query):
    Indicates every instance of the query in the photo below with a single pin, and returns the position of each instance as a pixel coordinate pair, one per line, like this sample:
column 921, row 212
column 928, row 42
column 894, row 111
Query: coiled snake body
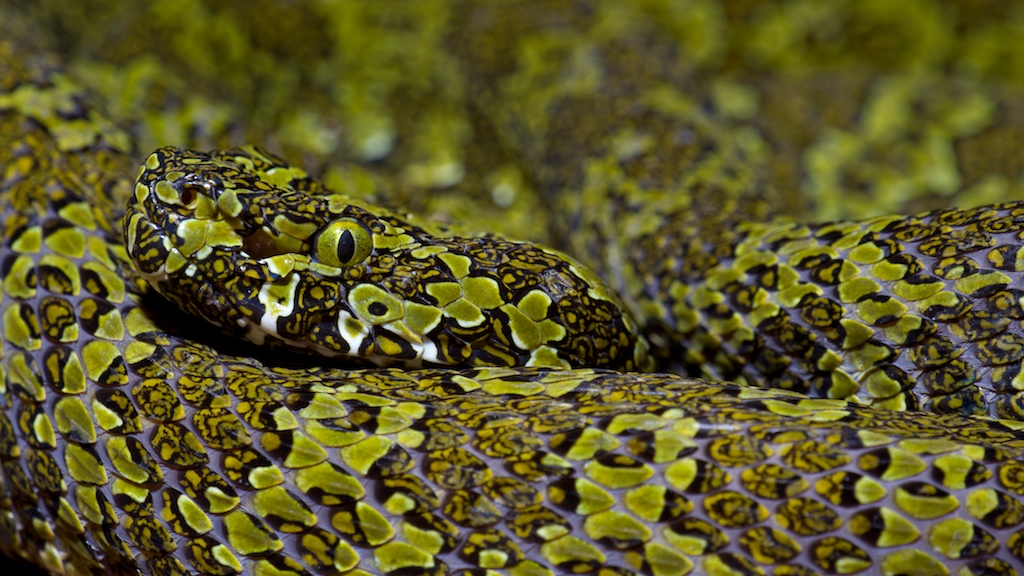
column 131, row 441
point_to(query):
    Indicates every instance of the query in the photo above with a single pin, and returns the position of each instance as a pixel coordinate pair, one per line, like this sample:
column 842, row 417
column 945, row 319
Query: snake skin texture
column 318, row 272
column 134, row 438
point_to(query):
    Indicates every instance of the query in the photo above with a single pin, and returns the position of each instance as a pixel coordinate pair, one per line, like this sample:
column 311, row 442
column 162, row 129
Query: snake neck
column 680, row 216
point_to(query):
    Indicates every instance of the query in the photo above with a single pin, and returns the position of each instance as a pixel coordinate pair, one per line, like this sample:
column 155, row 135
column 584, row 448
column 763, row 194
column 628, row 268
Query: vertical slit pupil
column 346, row 247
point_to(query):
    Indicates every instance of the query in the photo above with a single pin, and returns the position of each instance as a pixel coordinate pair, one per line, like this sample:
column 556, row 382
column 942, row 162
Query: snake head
column 256, row 247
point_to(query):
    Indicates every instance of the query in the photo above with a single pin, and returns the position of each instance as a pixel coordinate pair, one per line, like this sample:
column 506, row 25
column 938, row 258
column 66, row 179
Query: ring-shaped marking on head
column 343, row 243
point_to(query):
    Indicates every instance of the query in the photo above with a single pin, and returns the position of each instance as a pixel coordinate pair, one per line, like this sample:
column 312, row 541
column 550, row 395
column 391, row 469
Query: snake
column 180, row 394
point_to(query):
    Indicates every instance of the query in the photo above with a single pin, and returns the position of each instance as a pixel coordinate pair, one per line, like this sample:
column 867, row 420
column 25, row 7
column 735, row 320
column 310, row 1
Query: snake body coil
column 132, row 441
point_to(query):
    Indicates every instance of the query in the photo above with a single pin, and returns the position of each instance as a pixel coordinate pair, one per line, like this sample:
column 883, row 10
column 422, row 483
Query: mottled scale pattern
column 919, row 313
column 311, row 471
column 132, row 439
column 251, row 244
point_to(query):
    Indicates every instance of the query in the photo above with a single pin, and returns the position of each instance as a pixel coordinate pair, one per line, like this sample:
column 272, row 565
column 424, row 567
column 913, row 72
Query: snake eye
column 343, row 243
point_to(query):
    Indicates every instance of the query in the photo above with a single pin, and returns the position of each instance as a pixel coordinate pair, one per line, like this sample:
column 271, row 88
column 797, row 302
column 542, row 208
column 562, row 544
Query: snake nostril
column 189, row 193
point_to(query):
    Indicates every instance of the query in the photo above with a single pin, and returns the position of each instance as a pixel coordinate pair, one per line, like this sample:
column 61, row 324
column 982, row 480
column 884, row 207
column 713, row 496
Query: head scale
column 256, row 247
